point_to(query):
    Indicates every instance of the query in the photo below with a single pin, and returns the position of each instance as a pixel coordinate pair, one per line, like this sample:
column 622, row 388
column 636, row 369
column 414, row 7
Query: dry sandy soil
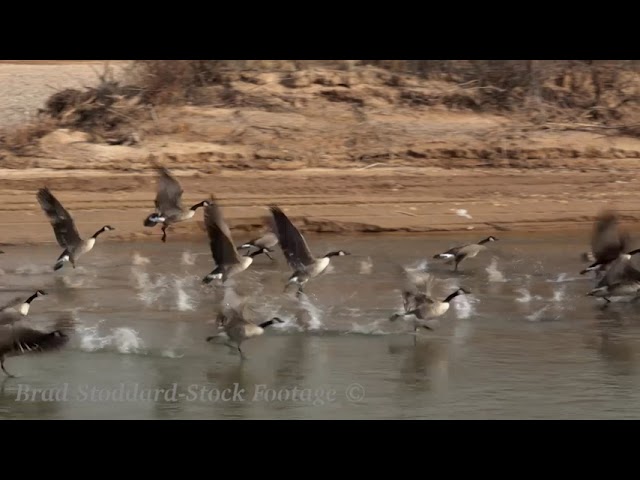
column 338, row 151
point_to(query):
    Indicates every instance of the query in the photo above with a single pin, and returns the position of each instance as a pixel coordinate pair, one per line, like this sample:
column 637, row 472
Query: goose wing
column 63, row 225
column 169, row 196
column 421, row 287
column 21, row 340
column 293, row 244
column 233, row 302
column 9, row 317
column 606, row 240
column 14, row 302
column 222, row 248
column 621, row 270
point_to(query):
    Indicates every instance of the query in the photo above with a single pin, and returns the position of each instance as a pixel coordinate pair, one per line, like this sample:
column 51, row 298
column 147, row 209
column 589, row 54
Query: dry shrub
column 21, row 140
column 171, row 81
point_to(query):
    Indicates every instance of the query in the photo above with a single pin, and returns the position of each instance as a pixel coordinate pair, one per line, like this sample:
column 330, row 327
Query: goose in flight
column 168, row 202
column 238, row 328
column 225, row 255
column 458, row 254
column 265, row 244
column 65, row 230
column 607, row 241
column 621, row 279
column 419, row 299
column 299, row 257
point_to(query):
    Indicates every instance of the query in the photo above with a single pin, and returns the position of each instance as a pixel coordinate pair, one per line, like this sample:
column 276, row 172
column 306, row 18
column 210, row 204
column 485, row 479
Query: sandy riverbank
column 337, row 158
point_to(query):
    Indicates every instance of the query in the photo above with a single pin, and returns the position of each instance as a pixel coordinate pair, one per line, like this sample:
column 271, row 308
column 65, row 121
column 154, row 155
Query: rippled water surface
column 526, row 343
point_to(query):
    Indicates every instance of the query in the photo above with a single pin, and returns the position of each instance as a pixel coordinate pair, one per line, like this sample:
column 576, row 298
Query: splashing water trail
column 139, row 259
column 184, row 302
column 188, row 258
column 366, row 266
column 463, row 307
column 495, row 275
column 122, row 339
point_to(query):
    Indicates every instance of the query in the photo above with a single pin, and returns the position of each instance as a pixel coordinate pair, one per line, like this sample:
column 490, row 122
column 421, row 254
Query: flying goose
column 17, row 309
column 65, row 230
column 225, row 255
column 621, row 279
column 304, row 265
column 265, row 244
column 237, row 327
column 458, row 254
column 24, row 340
column 168, row 202
column 607, row 241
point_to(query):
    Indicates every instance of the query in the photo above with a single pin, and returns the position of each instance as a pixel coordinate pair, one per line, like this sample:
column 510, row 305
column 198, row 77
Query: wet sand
column 404, row 200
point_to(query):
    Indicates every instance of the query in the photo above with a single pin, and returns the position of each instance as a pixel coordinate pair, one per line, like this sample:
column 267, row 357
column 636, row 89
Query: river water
column 526, row 343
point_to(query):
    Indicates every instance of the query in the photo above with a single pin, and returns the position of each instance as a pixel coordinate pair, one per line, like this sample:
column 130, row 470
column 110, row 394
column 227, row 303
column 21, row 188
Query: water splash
column 366, row 266
column 188, row 258
column 149, row 291
column 463, row 307
column 558, row 295
column 495, row 275
column 540, row 315
column 184, row 302
column 122, row 339
column 373, row 328
column 138, row 259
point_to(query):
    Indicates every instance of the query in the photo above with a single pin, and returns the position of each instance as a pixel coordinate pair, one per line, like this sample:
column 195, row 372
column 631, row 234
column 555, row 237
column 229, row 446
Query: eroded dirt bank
column 340, row 152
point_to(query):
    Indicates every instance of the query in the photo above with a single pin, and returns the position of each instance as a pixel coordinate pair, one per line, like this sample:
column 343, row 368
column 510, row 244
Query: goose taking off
column 458, row 254
column 265, row 244
column 419, row 293
column 225, row 255
column 169, row 209
column 622, row 278
column 299, row 257
column 426, row 308
column 65, row 230
column 17, row 309
column 24, row 340
column 238, row 328
column 607, row 241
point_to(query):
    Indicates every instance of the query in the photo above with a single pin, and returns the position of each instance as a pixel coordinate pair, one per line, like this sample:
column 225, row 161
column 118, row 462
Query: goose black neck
column 452, row 296
column 633, row 252
column 482, row 242
column 198, row 205
column 257, row 252
column 95, row 235
column 31, row 298
column 332, row 254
